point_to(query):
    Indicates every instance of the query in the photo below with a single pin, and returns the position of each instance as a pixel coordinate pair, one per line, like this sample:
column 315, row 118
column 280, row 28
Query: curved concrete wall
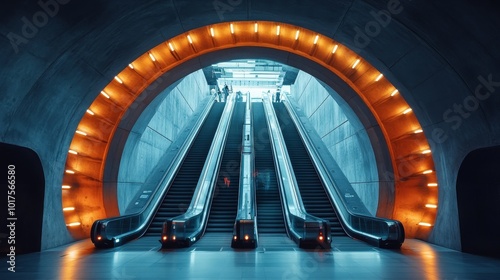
column 153, row 133
column 344, row 136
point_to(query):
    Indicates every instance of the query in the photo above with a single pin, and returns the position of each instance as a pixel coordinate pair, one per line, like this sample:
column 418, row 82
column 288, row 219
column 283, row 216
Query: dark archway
column 23, row 189
column 478, row 194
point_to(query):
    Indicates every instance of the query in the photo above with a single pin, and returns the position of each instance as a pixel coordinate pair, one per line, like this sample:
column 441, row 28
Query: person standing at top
column 219, row 94
column 226, row 92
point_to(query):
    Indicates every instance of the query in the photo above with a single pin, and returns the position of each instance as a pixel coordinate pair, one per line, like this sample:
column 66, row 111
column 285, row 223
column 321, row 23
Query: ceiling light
column 104, row 94
column 316, row 39
column 73, row 152
column 171, row 46
column 379, row 77
column 212, row 32
column 428, row 205
column 256, row 27
column 81, row 132
column 355, row 64
column 118, row 80
column 189, row 39
column 335, row 48
column 153, row 58
column 232, row 28
column 297, row 34
column 90, row 112
column 278, row 28
column 131, row 66
column 407, row 111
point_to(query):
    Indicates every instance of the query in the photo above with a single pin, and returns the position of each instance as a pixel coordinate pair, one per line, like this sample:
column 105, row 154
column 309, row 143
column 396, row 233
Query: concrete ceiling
column 442, row 55
column 434, row 51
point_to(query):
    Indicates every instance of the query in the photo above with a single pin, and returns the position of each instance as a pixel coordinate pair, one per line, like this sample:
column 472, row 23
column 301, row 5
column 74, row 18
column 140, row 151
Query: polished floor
column 276, row 258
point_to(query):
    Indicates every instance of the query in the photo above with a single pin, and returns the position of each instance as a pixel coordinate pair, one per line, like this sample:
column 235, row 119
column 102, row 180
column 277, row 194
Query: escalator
column 269, row 208
column 225, row 200
column 311, row 188
column 181, row 190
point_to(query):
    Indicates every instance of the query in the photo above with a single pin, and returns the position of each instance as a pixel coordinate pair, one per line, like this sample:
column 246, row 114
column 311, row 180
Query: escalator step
column 225, row 200
column 269, row 207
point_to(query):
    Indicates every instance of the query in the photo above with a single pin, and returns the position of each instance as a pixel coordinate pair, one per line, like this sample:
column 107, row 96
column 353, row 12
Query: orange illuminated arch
column 414, row 173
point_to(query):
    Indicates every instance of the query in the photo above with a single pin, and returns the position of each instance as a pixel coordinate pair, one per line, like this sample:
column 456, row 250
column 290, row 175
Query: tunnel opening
column 402, row 151
column 156, row 130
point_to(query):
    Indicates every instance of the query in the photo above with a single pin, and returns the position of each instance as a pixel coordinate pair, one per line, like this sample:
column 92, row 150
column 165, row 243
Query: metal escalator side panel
column 245, row 231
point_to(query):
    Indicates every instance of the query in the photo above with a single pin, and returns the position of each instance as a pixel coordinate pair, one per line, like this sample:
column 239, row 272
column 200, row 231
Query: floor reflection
column 276, row 258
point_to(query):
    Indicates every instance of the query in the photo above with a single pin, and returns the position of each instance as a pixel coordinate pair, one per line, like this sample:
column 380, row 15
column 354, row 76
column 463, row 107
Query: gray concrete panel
column 349, row 146
column 142, row 152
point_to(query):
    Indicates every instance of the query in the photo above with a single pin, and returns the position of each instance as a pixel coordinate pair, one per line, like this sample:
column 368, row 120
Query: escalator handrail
column 346, row 217
column 99, row 232
column 194, row 221
column 246, row 194
column 245, row 231
column 283, row 163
